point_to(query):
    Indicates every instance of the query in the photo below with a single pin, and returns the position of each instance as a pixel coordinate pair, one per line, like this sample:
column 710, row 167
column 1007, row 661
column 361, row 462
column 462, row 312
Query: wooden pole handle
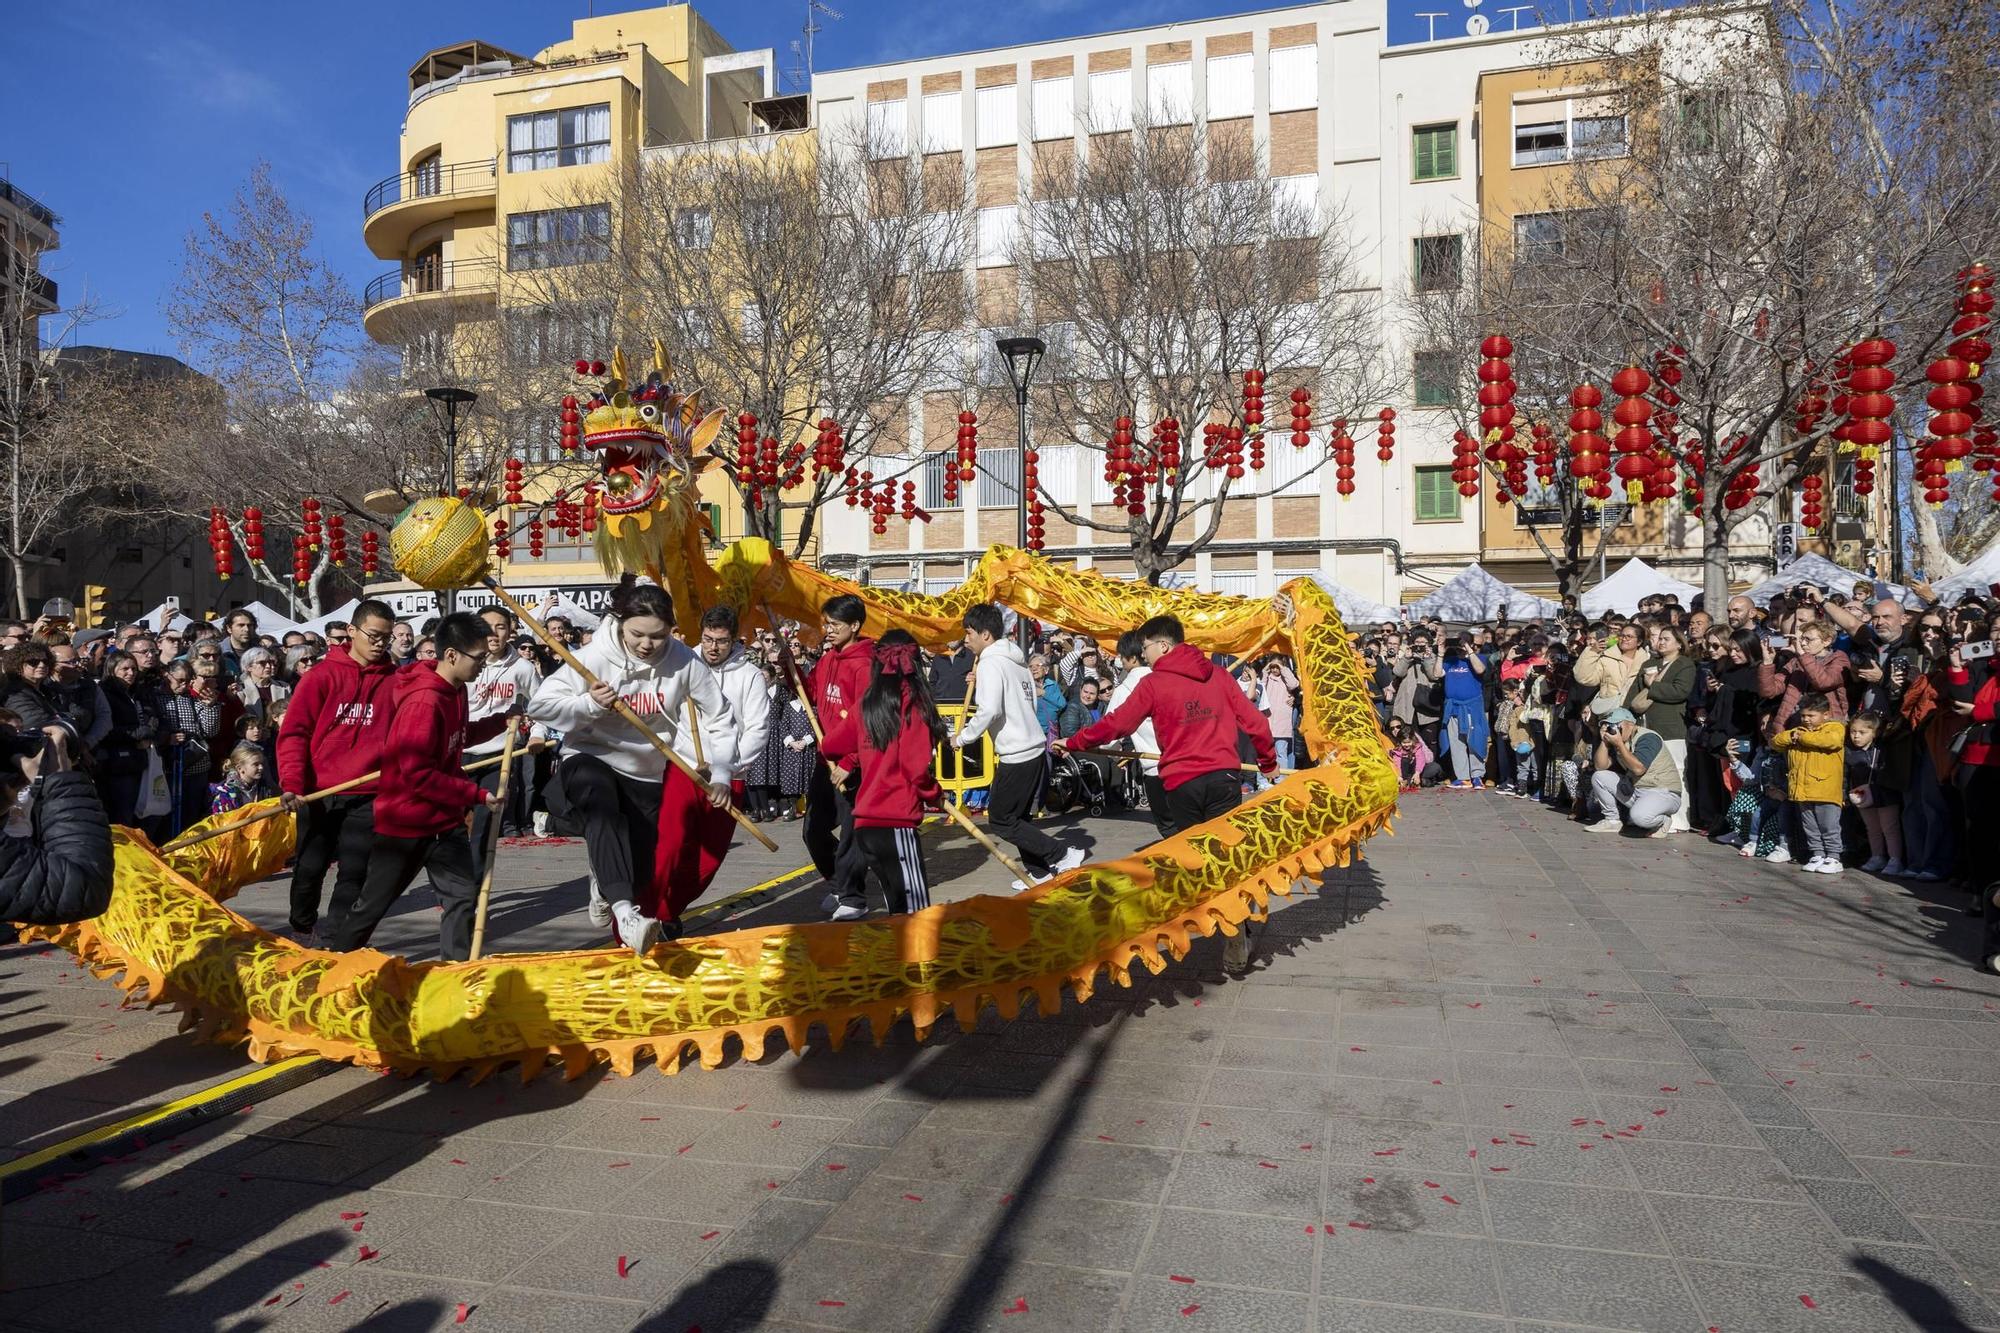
column 1153, row 758
column 493, row 845
column 958, row 816
column 694, row 732
column 619, row 706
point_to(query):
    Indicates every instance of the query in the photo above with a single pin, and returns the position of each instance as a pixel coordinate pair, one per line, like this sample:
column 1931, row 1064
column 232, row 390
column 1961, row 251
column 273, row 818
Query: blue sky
column 130, row 119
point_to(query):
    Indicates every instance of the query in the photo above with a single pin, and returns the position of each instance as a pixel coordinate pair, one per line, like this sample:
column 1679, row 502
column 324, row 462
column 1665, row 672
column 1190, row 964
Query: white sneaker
column 1830, row 866
column 638, row 932
column 598, row 910
column 1071, row 859
column 541, row 823
column 1778, row 855
column 1874, row 863
column 1926, row 876
column 1747, row 849
column 1894, row 870
column 848, row 912
column 1605, row 826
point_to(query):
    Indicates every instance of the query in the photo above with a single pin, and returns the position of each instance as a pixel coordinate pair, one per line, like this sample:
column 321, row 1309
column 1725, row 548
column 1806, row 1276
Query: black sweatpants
column 620, row 819
column 1158, row 804
column 829, row 831
column 392, row 866
column 898, row 862
column 513, row 814
column 1015, row 787
column 1200, row 799
column 338, row 828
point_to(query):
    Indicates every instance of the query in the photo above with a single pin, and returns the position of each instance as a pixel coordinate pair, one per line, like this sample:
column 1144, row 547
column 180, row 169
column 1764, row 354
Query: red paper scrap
column 834, row 1304
column 1189, row 1309
column 1176, row 1277
column 1448, row 1199
column 1388, row 1152
column 742, row 1106
column 914, row 1198
column 458, row 1161
column 1475, row 1004
column 644, row 1118
column 1359, row 1226
column 1020, row 1306
column 1893, row 1152
column 1309, row 1228
column 275, row 1299
column 339, row 1297
column 1667, row 1089
column 1808, row 1301
column 710, row 1235
column 776, row 1123
column 1360, row 1050
column 677, row 1152
column 349, row 1217
column 464, row 1313
column 1432, row 1185
column 836, row 1166
column 1368, row 1180
column 356, row 1228
column 615, row 1165
column 624, row 1266
column 1268, row 1166
column 367, row 1252
column 1499, row 1168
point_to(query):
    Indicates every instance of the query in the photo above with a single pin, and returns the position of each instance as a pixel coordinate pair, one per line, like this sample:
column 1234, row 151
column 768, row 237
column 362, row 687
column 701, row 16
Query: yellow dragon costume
column 170, row 939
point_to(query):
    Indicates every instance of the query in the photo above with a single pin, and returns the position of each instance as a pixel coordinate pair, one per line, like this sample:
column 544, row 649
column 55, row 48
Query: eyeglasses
column 378, row 637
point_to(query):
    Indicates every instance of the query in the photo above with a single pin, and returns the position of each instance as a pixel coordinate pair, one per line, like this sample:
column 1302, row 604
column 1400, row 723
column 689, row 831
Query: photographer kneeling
column 1637, row 780
column 55, row 859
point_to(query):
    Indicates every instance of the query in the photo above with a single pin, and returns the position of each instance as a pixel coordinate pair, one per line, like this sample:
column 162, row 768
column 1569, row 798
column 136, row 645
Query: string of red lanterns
column 1634, row 442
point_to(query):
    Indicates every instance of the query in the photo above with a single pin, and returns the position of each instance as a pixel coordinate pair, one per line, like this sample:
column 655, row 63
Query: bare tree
column 1734, row 230
column 43, row 417
column 1160, row 262
column 791, row 282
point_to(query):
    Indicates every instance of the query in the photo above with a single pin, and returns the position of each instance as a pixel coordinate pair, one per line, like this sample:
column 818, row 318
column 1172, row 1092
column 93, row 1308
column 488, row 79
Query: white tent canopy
column 1635, row 579
column 1474, row 596
column 269, row 621
column 1816, row 569
column 318, row 624
column 1354, row 608
column 1975, row 578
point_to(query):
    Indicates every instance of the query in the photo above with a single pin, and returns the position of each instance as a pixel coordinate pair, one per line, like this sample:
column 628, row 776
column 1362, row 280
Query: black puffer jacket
column 63, row 872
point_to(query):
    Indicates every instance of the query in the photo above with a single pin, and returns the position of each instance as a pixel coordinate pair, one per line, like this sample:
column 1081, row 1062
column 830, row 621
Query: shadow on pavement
column 729, row 1299
column 1925, row 1305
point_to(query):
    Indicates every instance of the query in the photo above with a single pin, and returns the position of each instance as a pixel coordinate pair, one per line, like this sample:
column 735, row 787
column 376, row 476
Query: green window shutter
column 1435, row 151
column 1447, row 150
column 1437, row 495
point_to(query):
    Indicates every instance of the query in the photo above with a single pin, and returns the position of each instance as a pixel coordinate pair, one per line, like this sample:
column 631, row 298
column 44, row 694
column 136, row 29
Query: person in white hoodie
column 502, row 686
column 1132, row 661
column 645, row 824
column 743, row 684
column 1003, row 702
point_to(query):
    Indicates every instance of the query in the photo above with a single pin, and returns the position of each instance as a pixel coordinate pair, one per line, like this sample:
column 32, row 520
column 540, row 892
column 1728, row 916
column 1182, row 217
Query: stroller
column 1073, row 782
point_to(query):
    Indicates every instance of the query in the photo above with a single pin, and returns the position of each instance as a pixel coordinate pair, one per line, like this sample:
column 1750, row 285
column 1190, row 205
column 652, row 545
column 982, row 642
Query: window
column 574, row 137
column 694, row 228
column 932, row 486
column 1295, row 205
column 552, row 335
column 1231, row 87
column 1434, row 152
column 694, row 328
column 1295, row 78
column 1437, row 495
column 1436, row 379
column 423, row 356
column 1568, row 129
column 996, row 235
column 993, row 114
column 999, row 475
column 1053, row 108
column 427, row 176
column 1703, row 117
column 888, row 129
column 1552, row 238
column 532, row 437
column 760, row 221
column 750, row 320
column 1435, row 263
column 1170, row 93
column 944, row 128
column 1111, row 100
column 554, row 237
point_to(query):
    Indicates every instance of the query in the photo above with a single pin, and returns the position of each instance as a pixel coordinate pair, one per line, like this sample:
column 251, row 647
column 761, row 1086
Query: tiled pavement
column 1503, row 1075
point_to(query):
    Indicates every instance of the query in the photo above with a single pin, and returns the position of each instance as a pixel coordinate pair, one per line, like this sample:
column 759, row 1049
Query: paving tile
column 1161, row 1303
column 1594, row 1287
column 585, row 1262
column 1939, row 1190
column 1246, row 1185
column 1357, row 1317
column 1748, row 1231
column 938, row 1217
column 1232, row 1248
column 1411, row 1269
column 1775, row 1299
column 1046, row 1298
column 1586, row 1217
column 1389, row 1198
column 476, row 1240
column 844, row 1284
column 1256, row 1134
column 1691, row 1119
column 1919, row 1138
column 1415, row 1144
column 1861, row 1211
column 1692, row 1168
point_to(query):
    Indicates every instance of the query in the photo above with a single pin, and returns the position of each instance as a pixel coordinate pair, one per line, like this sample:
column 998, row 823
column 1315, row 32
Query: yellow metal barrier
column 949, row 767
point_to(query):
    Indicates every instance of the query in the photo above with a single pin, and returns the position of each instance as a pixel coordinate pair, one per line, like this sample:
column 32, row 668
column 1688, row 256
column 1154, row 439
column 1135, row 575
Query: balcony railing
column 431, row 181
column 27, row 203
column 432, row 275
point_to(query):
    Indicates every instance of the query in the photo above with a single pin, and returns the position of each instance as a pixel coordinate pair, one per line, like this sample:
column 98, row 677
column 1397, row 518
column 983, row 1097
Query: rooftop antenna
column 814, row 8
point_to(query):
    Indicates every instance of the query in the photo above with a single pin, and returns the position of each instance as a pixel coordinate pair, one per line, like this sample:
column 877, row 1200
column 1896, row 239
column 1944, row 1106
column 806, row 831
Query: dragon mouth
column 630, row 460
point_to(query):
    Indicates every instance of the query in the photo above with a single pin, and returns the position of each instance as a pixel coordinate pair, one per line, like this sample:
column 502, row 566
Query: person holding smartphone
column 55, row 857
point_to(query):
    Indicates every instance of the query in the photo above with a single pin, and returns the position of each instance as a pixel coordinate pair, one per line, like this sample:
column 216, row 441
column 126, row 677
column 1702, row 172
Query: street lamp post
column 1023, row 355
column 447, row 401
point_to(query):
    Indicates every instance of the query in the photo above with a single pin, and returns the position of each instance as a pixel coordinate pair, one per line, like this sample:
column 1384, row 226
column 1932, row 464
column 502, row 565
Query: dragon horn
column 660, row 362
column 618, row 366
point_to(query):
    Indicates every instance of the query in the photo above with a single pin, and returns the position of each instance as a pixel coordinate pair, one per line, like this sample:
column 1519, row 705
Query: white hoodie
column 657, row 691
column 1003, row 701
column 502, row 685
column 1142, row 735
column 749, row 695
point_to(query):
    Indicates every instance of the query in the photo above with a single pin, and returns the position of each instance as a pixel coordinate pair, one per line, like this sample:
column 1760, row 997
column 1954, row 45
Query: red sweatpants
column 694, row 837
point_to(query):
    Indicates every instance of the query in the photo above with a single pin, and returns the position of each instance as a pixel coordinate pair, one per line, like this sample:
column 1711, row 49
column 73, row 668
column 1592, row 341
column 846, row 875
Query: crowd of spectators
column 1836, row 729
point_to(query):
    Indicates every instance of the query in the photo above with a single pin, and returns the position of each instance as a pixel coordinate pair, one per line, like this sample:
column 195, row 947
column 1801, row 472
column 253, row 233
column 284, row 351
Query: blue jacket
column 1050, row 703
column 1470, row 714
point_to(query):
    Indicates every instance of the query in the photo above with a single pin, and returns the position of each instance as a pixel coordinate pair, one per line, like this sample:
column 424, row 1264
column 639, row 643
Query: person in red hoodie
column 897, row 732
column 333, row 730
column 838, row 681
column 1197, row 711
column 424, row 798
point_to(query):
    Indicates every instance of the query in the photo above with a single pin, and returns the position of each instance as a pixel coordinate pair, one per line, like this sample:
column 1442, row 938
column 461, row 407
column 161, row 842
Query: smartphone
column 59, row 609
column 1975, row 652
column 1779, row 641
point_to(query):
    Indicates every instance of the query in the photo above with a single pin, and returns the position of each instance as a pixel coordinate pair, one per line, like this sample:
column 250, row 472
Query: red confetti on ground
column 1106, row 1138
column 1176, row 1277
column 648, row 1117
column 349, row 1217
column 1309, row 1229
column 367, row 1253
column 1020, row 1306
column 338, row 1298
column 1497, row 1169
column 914, row 1198
column 1388, row 1152
column 1305, row 1147
column 1808, row 1301
column 1893, row 1152
column 776, row 1123
column 464, row 1313
column 677, row 1152
column 834, row 1304
column 742, row 1106
column 275, row 1299
column 1586, row 1146
column 1432, row 1185
column 1359, row 1226
column 458, row 1161
column 1268, row 1166
column 1534, row 937
column 1472, row 1153
column 1208, row 1124
column 1667, row 1089
column 1189, row 1309
column 624, row 1266
column 1475, row 1004
column 615, row 1165
column 1368, row 1180
column 1448, row 1199
column 356, row 1228
column 836, row 1166
column 770, row 1184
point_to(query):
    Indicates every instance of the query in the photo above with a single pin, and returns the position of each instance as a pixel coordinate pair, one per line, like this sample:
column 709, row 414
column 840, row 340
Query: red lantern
column 1589, row 451
column 1302, row 417
column 1385, row 434
column 371, row 553
column 1634, row 442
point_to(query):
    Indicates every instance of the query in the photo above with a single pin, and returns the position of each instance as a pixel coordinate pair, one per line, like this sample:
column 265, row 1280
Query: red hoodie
column 839, row 679
column 335, row 725
column 1196, row 711
column 422, row 791
column 897, row 781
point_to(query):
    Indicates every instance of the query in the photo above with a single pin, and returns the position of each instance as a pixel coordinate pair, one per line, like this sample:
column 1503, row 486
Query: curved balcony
column 394, row 208
column 402, row 290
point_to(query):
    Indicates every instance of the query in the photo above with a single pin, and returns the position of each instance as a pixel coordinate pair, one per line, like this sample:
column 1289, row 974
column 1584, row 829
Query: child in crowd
column 1815, row 751
column 423, row 799
column 1515, row 749
column 900, row 728
column 1414, row 760
column 243, row 781
column 1880, row 806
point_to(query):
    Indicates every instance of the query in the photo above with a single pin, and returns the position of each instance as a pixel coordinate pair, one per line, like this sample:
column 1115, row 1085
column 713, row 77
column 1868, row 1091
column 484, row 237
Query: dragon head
column 647, row 437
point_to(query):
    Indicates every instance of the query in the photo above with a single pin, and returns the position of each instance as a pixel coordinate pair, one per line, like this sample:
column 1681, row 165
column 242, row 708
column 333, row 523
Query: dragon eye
column 649, row 411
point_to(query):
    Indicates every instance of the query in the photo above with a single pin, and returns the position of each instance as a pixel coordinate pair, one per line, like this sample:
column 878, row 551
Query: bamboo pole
column 493, row 844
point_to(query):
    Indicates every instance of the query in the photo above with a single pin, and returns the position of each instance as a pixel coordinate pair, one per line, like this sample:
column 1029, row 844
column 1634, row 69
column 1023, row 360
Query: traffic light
column 90, row 614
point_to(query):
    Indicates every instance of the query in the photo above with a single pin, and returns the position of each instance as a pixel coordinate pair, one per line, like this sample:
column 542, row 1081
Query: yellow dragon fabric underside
column 172, row 939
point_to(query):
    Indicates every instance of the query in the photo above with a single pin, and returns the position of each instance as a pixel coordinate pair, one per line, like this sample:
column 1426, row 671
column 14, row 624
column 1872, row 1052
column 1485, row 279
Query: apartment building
column 29, row 229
